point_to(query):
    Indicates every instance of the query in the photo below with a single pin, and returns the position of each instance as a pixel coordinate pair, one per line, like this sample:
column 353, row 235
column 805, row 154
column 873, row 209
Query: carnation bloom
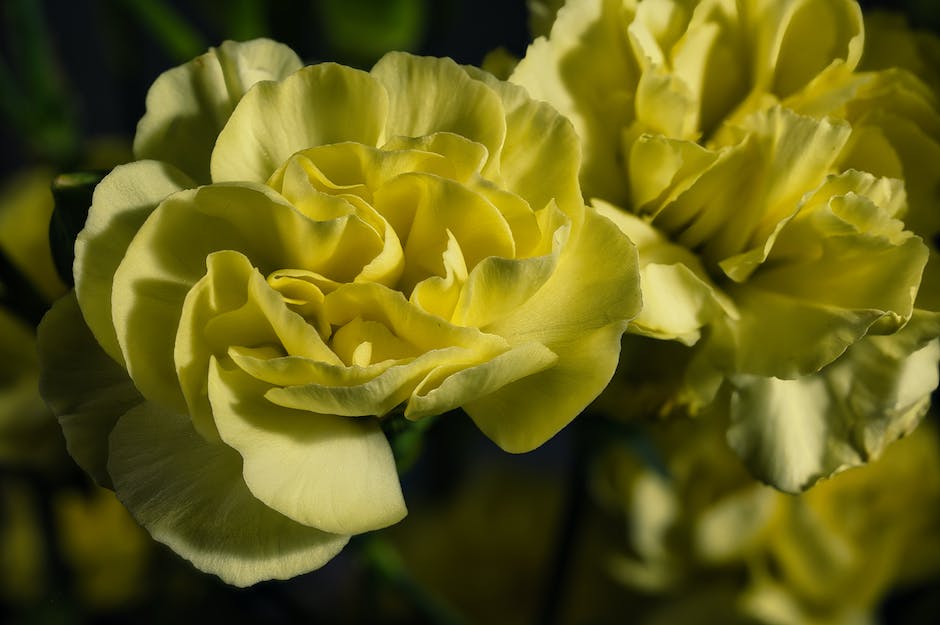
column 717, row 546
column 410, row 238
column 766, row 184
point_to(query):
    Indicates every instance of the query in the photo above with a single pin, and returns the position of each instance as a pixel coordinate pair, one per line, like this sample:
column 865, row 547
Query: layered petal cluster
column 411, row 238
column 718, row 547
column 778, row 197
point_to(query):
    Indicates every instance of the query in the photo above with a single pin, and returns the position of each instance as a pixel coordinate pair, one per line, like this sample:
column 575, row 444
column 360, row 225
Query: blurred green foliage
column 361, row 31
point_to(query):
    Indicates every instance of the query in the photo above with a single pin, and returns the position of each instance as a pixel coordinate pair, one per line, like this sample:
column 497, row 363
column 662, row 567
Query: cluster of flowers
column 716, row 194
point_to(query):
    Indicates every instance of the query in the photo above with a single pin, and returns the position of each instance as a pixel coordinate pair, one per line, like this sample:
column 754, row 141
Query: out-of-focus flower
column 765, row 182
column 28, row 435
column 22, row 561
column 103, row 546
column 102, row 549
column 699, row 526
column 501, row 550
column 412, row 237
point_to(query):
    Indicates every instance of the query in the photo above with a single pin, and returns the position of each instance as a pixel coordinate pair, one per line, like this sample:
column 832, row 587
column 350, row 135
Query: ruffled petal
column 342, row 475
column 798, row 39
column 187, row 106
column 428, row 95
column 121, row 204
column 840, row 269
column 450, row 387
column 168, row 257
column 270, row 123
column 791, row 433
column 579, row 314
column 541, row 155
column 678, row 297
column 190, row 495
column 567, row 73
column 85, row 389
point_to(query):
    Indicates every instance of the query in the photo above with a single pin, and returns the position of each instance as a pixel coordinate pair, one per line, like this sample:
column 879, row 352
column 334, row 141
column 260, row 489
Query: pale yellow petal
column 793, row 432
column 120, row 205
column 84, row 388
column 190, row 495
column 187, row 106
column 579, row 314
column 320, row 104
column 342, row 475
column 428, row 95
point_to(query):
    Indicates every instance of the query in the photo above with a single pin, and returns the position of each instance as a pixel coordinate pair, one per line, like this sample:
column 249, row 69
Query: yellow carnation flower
column 765, row 181
column 409, row 237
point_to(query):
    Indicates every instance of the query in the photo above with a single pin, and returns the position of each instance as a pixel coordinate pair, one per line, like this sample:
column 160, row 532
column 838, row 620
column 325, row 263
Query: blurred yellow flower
column 103, row 549
column 765, row 182
column 701, row 526
column 410, row 237
column 102, row 544
column 28, row 433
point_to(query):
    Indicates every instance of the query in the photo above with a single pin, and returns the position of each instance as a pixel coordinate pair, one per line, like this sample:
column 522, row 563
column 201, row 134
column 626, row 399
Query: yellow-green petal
column 791, row 433
column 846, row 282
column 449, row 388
column 428, row 95
column 579, row 314
column 678, row 297
column 541, row 155
column 189, row 105
column 84, row 388
column 320, row 104
column 342, row 475
column 797, row 39
column 190, row 495
column 566, row 73
column 120, row 205
column 168, row 256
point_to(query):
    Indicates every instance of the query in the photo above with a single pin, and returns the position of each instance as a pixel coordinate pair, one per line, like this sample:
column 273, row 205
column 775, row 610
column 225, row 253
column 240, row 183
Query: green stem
column 385, row 563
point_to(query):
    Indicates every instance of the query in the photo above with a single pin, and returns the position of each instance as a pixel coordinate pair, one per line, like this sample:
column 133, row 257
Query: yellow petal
column 793, row 432
column 86, row 390
column 190, row 495
column 342, row 475
column 541, row 154
column 120, row 205
column 187, row 106
column 320, row 104
column 579, row 314
column 566, row 74
column 678, row 297
column 428, row 95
